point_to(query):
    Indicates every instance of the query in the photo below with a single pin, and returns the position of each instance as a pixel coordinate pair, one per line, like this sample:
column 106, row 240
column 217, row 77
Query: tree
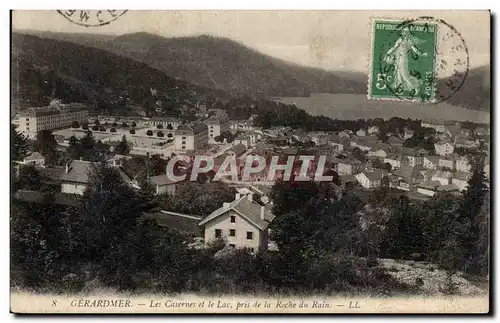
column 29, row 178
column 46, row 145
column 170, row 135
column 199, row 199
column 75, row 125
column 112, row 130
column 124, row 125
column 132, row 131
column 114, row 125
column 123, row 147
column 95, row 128
column 85, row 125
column 170, row 127
column 149, row 133
column 111, row 228
column 160, row 134
column 134, row 124
column 19, row 146
column 102, row 129
column 96, row 122
column 159, row 126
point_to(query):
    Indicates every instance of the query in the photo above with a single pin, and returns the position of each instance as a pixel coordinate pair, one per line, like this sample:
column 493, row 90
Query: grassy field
column 357, row 106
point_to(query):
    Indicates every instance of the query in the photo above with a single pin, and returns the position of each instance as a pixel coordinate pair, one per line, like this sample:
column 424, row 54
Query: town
column 361, row 161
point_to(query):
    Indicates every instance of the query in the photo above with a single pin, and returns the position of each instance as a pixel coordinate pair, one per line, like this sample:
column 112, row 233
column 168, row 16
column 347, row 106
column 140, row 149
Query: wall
column 72, row 188
column 241, row 226
column 425, row 191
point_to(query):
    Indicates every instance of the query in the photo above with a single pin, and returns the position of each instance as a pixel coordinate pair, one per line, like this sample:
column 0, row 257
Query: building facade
column 54, row 116
column 242, row 223
column 216, row 126
column 190, row 137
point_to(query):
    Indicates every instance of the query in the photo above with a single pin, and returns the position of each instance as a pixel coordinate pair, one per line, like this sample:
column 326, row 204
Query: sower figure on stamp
column 398, row 56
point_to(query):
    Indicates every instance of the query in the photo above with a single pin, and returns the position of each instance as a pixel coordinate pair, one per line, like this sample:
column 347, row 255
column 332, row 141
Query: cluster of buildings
column 359, row 158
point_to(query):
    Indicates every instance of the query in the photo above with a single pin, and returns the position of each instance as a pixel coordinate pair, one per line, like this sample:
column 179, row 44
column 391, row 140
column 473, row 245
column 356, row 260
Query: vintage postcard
column 321, row 162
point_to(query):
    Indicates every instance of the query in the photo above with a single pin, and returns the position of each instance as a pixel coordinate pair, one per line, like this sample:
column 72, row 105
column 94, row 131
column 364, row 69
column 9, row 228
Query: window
column 218, row 233
column 249, row 235
column 232, row 245
column 252, row 249
column 232, row 233
column 233, row 219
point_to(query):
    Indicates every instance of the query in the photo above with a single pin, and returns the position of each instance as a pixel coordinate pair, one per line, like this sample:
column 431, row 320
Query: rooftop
column 249, row 210
column 78, row 172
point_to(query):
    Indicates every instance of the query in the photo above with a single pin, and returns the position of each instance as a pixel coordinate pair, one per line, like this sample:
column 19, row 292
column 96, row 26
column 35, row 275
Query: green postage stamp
column 403, row 60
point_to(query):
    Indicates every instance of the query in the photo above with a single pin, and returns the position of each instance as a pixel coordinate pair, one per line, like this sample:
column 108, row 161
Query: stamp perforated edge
column 370, row 63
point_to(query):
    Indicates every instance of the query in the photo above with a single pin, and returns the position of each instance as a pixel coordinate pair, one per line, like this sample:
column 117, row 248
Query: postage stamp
column 403, row 60
column 419, row 60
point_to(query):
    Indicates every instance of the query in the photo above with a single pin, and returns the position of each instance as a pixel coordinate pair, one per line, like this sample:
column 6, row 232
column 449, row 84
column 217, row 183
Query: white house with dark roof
column 370, row 179
column 35, row 159
column 444, row 147
column 76, row 177
column 242, row 223
column 431, row 162
column 163, row 185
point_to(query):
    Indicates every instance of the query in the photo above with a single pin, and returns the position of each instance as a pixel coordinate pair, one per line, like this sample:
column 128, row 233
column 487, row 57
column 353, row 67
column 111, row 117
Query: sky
column 333, row 40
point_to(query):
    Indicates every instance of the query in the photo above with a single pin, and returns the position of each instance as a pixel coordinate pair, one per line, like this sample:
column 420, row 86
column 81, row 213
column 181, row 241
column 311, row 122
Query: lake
column 357, row 106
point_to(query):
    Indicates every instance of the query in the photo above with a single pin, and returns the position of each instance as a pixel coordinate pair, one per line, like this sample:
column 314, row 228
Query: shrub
column 102, row 129
column 132, row 131
column 149, row 133
column 112, row 130
column 134, row 124
column 160, row 134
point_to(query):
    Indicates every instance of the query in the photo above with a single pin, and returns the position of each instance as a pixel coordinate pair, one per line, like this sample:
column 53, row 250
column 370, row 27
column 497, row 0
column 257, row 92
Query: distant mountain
column 224, row 64
column 221, row 63
column 44, row 68
column 475, row 93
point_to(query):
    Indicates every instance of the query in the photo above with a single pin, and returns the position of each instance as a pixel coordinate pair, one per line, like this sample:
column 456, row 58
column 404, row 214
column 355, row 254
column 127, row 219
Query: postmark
column 419, row 60
column 91, row 18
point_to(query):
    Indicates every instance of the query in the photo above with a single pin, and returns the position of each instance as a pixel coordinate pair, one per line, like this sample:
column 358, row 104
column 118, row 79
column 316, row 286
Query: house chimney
column 262, row 212
column 250, row 197
column 67, row 167
column 225, row 205
column 238, row 196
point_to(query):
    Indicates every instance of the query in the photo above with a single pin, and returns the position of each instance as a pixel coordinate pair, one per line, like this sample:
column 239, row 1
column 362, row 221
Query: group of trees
column 198, row 198
column 87, row 148
column 226, row 135
column 323, row 243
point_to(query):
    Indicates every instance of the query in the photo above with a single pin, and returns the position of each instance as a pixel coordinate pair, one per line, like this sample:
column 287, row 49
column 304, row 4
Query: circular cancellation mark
column 451, row 62
column 91, row 18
